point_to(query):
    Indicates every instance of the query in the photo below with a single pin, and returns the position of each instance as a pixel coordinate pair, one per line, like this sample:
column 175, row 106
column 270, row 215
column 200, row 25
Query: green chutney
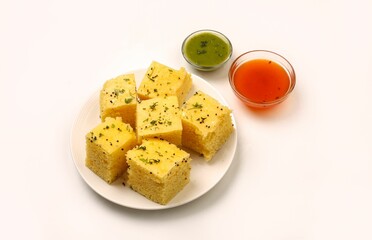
column 206, row 49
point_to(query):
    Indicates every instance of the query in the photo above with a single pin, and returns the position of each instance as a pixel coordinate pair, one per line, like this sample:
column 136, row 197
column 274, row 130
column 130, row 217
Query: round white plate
column 204, row 175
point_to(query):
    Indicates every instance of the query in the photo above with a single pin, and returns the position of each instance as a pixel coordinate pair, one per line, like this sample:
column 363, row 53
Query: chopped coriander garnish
column 153, row 106
column 159, row 153
column 196, row 106
column 118, row 91
column 149, row 161
column 128, row 100
column 142, row 148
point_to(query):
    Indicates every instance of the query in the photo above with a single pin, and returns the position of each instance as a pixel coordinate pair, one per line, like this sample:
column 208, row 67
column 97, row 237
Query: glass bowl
column 261, row 78
column 206, row 50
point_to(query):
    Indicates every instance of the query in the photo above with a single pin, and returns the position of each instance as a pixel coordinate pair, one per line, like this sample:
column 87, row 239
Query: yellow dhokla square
column 206, row 124
column 161, row 80
column 106, row 146
column 158, row 170
column 160, row 118
column 118, row 98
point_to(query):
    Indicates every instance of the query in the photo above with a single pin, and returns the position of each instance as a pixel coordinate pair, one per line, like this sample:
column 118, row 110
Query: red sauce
column 261, row 80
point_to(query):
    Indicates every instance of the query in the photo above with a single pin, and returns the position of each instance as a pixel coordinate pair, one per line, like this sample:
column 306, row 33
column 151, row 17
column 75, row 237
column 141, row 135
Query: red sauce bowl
column 262, row 78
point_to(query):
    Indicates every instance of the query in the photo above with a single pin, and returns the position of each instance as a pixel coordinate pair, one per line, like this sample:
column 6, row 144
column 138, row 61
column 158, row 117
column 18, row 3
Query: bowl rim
column 216, row 33
column 289, row 69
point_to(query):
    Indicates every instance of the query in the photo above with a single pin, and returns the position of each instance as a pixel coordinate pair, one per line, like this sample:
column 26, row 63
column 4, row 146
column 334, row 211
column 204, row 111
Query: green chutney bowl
column 206, row 50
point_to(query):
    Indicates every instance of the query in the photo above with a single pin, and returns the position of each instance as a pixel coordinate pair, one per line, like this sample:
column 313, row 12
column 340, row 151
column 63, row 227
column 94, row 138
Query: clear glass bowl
column 246, row 85
column 206, row 50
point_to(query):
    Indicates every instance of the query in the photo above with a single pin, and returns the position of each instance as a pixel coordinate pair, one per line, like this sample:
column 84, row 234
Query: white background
column 302, row 170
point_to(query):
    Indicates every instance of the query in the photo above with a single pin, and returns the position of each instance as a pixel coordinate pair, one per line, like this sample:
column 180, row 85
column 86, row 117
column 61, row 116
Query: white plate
column 204, row 175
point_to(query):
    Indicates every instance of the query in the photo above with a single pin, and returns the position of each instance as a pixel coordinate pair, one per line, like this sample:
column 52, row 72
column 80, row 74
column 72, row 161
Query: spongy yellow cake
column 118, row 98
column 106, row 146
column 206, row 124
column 159, row 117
column 158, row 170
column 161, row 80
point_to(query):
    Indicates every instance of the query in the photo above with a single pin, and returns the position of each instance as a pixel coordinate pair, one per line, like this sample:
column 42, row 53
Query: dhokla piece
column 206, row 124
column 158, row 170
column 106, row 146
column 161, row 80
column 118, row 98
column 159, row 118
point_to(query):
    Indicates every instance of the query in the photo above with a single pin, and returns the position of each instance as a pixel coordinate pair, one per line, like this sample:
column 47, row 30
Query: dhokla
column 159, row 117
column 158, row 170
column 207, row 124
column 161, row 80
column 106, row 146
column 118, row 98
